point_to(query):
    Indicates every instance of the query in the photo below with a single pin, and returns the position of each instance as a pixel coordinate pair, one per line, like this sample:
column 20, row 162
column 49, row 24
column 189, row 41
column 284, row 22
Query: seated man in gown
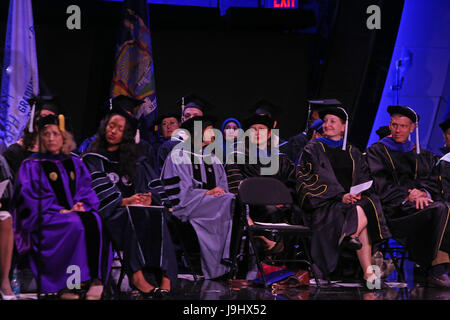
column 402, row 174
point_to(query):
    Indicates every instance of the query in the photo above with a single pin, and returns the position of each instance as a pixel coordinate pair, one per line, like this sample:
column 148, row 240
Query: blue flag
column 20, row 80
column 134, row 70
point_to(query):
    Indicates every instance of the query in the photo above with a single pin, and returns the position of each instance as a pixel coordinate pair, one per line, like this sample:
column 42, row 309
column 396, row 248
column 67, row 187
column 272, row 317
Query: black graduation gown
column 142, row 233
column 424, row 231
column 320, row 197
column 14, row 155
column 238, row 172
column 296, row 145
column 440, row 189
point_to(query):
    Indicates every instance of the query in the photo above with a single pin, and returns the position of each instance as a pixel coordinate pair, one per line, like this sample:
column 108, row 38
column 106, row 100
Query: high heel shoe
column 350, row 243
column 7, row 296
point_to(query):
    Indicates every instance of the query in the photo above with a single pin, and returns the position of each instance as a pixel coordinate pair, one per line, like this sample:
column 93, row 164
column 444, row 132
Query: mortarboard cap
column 264, row 106
column 58, row 120
column 404, row 111
column 258, row 119
column 319, row 103
column 193, row 100
column 383, row 132
column 125, row 102
column 445, row 125
column 337, row 111
column 163, row 116
column 37, row 104
column 316, row 104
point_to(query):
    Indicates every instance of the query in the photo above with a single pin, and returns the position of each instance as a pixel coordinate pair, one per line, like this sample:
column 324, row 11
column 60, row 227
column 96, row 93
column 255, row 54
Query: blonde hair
column 68, row 142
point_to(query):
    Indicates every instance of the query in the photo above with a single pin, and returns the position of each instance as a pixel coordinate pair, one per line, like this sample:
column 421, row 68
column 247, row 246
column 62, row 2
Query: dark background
column 233, row 60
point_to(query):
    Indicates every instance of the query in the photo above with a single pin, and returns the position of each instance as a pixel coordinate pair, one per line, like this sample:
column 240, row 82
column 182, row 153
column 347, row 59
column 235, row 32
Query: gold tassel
column 62, row 122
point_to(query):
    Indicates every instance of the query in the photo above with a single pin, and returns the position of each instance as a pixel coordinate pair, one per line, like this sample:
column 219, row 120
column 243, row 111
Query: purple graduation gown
column 57, row 182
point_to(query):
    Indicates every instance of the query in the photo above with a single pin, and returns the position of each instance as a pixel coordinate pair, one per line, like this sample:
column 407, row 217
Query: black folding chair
column 270, row 191
column 398, row 253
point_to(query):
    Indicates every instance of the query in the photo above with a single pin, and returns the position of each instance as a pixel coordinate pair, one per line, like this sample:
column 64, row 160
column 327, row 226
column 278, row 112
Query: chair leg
column 305, row 244
column 398, row 268
column 258, row 260
column 121, row 277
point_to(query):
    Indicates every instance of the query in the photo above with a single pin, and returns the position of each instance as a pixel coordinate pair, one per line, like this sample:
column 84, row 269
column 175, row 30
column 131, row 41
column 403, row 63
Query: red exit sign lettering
column 286, row 4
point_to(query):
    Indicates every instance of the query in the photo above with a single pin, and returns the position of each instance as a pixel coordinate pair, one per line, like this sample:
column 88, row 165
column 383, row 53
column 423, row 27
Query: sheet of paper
column 272, row 224
column 361, row 187
column 3, row 185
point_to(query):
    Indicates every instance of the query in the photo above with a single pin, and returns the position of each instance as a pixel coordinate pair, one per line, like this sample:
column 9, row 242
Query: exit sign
column 282, row 4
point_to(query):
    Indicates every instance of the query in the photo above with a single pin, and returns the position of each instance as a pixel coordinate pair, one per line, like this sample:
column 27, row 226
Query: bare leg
column 365, row 253
column 6, row 249
column 268, row 244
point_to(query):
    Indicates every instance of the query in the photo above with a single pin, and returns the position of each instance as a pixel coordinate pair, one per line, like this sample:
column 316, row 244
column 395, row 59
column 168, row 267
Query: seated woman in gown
column 54, row 202
column 121, row 172
column 327, row 169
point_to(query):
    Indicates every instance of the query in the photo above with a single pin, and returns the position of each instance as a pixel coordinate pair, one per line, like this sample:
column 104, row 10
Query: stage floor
column 188, row 289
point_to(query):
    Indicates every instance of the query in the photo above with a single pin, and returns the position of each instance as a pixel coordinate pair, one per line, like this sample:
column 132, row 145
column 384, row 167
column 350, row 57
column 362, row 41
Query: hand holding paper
column 361, row 187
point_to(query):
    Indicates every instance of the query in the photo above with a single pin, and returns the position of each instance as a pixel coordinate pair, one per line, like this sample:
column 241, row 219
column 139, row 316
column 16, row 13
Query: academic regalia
column 444, row 127
column 296, row 145
column 441, row 178
column 396, row 168
column 325, row 174
column 46, row 184
column 443, row 151
column 211, row 217
column 141, row 233
column 236, row 172
column 165, row 149
column 249, row 161
column 14, row 155
column 84, row 146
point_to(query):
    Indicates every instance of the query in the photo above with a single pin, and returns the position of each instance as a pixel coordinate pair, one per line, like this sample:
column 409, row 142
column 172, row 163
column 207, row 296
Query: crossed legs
column 365, row 253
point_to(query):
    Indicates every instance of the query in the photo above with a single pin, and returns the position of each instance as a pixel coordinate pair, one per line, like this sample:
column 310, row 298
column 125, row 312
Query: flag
column 20, row 80
column 134, row 69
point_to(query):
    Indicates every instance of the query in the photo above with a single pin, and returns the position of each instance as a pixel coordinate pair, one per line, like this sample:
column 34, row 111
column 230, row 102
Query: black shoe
column 350, row 243
column 152, row 294
column 164, row 294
